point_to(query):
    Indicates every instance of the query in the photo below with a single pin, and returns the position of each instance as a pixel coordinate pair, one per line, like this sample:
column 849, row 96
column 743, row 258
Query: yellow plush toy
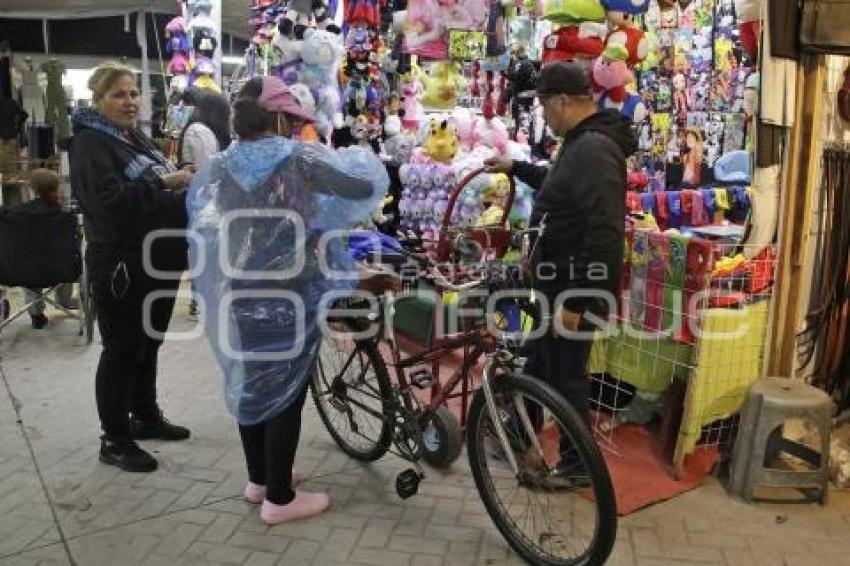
column 441, row 144
column 442, row 85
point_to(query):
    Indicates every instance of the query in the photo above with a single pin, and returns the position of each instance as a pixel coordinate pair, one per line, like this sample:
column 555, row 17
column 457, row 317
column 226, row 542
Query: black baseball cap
column 564, row 78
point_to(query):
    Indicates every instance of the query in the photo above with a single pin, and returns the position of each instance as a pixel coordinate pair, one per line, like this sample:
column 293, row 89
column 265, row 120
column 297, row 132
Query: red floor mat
column 640, row 475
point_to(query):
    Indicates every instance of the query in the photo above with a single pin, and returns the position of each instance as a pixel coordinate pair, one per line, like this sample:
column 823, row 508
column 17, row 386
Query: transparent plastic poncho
column 257, row 214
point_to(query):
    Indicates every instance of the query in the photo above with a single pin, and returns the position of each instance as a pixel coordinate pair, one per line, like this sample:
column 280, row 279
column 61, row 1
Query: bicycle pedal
column 407, row 483
column 422, row 379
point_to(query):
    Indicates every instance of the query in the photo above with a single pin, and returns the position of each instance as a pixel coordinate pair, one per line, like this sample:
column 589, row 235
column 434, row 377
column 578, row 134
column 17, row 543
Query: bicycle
column 520, row 433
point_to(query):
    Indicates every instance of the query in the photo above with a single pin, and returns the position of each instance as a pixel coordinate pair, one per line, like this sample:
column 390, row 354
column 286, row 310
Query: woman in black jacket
column 128, row 190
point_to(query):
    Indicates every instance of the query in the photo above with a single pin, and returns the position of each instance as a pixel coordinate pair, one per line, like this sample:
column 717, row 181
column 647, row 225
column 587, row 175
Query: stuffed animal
column 287, row 49
column 492, row 133
column 442, row 86
column 582, row 41
column 628, row 44
column 623, row 12
column 610, row 79
column 442, row 144
column 321, row 54
column 464, row 122
column 573, row 11
column 204, row 72
column 411, row 88
column 178, row 45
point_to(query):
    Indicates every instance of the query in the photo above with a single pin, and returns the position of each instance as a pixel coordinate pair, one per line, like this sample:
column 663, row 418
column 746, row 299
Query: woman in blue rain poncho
column 258, row 212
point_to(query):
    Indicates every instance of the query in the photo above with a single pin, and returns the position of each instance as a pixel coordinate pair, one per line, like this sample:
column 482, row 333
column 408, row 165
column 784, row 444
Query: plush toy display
column 287, row 49
column 610, row 78
column 441, row 144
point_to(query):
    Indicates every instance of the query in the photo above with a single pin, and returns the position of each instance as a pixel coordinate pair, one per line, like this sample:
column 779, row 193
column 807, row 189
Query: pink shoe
column 304, row 506
column 256, row 493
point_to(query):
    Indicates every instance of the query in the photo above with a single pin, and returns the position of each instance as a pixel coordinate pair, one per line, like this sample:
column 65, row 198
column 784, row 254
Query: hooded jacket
column 581, row 199
column 117, row 179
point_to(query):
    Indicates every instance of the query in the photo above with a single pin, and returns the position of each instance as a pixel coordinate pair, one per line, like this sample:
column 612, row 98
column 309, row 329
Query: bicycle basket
column 493, row 239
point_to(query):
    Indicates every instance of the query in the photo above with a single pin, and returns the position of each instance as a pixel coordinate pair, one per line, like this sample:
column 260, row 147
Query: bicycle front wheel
column 559, row 507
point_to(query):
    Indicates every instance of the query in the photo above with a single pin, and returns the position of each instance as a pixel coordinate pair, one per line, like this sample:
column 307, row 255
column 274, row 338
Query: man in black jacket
column 581, row 201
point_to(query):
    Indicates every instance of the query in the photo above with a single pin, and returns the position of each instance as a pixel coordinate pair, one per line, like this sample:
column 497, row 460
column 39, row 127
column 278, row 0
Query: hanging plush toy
column 178, row 46
column 204, row 72
column 321, row 54
column 610, row 78
column 582, row 41
column 573, row 11
column 463, row 121
column 411, row 88
column 624, row 12
column 442, row 86
column 628, row 44
column 287, row 47
column 441, row 144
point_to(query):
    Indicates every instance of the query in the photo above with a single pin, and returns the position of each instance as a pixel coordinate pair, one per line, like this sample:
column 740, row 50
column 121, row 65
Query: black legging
column 270, row 451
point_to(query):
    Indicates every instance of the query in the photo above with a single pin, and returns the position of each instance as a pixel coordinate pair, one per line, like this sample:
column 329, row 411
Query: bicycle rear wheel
column 559, row 509
column 350, row 387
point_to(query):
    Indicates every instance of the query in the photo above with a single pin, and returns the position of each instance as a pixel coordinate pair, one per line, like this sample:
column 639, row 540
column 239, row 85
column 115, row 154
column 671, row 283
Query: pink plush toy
column 464, row 124
column 610, row 78
column 492, row 133
column 411, row 88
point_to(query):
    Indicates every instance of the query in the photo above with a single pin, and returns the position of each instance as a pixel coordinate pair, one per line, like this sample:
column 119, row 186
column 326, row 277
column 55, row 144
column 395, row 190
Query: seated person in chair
column 45, row 184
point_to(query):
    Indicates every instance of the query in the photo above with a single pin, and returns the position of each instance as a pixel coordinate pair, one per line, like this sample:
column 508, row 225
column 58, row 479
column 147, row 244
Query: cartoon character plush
column 582, row 41
column 628, row 44
column 442, row 86
column 610, row 78
column 623, row 12
column 178, row 45
column 492, row 133
column 321, row 54
column 441, row 144
column 287, row 49
column 411, row 88
column 573, row 11
column 464, row 122
column 204, row 72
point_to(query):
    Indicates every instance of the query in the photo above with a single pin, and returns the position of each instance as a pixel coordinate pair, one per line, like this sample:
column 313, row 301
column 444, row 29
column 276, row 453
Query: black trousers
column 562, row 363
column 126, row 374
column 270, row 451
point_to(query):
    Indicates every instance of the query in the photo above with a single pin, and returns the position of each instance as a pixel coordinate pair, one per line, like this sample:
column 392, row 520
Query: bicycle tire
column 444, row 448
column 321, row 387
column 605, row 533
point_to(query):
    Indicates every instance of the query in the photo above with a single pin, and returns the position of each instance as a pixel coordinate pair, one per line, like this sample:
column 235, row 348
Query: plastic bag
column 257, row 214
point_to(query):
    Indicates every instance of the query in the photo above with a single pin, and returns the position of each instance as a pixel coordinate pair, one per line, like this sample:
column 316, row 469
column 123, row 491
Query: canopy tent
column 234, row 16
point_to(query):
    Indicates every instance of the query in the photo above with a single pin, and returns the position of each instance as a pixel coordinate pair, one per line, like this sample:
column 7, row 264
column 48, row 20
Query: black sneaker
column 39, row 321
column 127, row 455
column 157, row 429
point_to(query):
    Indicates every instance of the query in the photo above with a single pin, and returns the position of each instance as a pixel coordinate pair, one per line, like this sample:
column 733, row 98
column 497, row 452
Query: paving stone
column 300, row 552
column 379, row 557
column 262, row 559
column 261, row 543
